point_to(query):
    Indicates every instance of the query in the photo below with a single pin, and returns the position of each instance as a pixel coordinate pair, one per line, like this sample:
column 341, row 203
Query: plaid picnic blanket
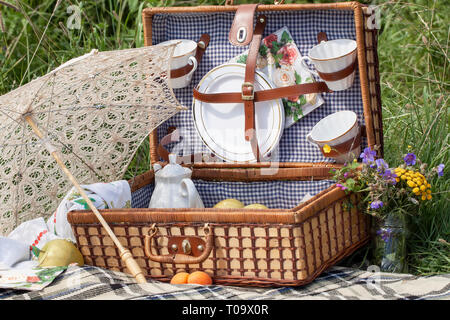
column 337, row 283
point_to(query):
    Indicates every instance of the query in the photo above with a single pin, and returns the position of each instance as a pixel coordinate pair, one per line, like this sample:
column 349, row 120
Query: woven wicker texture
column 243, row 253
column 96, row 110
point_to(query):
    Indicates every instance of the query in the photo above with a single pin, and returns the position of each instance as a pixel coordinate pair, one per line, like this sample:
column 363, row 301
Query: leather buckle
column 248, row 97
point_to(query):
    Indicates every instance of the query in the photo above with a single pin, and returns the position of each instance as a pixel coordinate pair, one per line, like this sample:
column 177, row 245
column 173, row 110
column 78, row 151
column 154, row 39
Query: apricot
column 180, row 278
column 199, row 277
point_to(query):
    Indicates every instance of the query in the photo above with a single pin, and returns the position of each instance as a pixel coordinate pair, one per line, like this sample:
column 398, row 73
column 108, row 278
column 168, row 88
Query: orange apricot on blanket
column 199, row 277
column 180, row 278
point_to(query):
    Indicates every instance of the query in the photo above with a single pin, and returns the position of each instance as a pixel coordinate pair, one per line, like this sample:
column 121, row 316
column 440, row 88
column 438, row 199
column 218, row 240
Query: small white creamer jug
column 174, row 188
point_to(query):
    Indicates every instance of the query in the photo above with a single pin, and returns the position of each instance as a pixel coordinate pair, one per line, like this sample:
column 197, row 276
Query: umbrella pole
column 125, row 254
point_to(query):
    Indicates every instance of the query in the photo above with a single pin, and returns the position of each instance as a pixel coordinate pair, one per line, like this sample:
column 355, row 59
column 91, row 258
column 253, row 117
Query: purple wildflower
column 376, row 204
column 381, row 165
column 385, row 233
column 341, row 186
column 368, row 155
column 410, row 159
column 440, row 170
column 346, row 175
column 390, row 176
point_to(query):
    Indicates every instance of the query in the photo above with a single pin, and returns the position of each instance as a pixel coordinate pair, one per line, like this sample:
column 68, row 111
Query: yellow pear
column 255, row 206
column 59, row 253
column 229, row 204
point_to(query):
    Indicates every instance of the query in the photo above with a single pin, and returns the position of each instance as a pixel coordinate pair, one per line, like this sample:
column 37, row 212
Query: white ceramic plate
column 221, row 126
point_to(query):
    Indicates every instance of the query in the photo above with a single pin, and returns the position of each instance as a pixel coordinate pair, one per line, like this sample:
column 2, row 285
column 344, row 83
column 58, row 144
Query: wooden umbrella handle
column 125, row 254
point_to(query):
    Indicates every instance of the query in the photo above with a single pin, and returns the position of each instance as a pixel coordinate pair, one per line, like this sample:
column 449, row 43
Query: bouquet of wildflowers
column 390, row 194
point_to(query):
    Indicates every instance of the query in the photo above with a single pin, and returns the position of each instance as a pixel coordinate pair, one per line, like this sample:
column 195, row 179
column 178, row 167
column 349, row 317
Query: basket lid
column 304, row 26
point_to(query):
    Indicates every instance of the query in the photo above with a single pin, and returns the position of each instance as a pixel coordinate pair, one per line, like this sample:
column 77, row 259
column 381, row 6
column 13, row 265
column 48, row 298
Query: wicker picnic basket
column 287, row 245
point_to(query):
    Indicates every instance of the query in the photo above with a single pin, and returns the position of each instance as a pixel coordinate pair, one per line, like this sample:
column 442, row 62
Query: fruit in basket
column 199, row 277
column 255, row 206
column 59, row 253
column 229, row 204
column 180, row 278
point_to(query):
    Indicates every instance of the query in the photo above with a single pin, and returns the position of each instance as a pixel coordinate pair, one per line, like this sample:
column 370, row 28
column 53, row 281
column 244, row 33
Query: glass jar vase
column 390, row 250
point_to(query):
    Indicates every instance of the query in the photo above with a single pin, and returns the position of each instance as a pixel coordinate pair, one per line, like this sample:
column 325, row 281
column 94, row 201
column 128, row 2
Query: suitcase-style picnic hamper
column 289, row 244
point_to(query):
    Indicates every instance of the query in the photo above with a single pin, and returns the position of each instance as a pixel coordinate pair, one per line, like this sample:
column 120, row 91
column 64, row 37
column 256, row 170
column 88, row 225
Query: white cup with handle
column 336, row 129
column 183, row 55
column 330, row 57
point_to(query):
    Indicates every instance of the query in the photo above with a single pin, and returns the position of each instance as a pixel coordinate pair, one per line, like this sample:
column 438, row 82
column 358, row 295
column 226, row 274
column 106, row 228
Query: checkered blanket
column 337, row 283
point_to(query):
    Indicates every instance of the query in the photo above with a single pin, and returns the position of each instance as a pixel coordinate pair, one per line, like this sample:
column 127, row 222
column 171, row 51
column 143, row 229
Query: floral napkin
column 279, row 59
column 30, row 279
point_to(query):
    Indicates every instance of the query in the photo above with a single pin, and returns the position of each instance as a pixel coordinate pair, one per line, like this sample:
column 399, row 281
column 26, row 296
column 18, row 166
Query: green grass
column 414, row 65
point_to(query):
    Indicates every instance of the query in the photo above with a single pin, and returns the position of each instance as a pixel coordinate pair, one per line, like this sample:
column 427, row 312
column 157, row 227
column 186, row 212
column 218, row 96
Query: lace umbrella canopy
column 94, row 112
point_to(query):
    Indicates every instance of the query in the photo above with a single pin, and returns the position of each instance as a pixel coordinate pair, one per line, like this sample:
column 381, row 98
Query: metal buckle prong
column 248, row 97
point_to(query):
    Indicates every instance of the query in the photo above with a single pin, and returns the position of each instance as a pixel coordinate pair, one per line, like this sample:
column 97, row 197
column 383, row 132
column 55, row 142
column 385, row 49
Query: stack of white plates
column 221, row 126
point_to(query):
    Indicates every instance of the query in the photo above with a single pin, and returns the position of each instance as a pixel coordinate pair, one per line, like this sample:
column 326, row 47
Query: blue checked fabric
column 273, row 194
column 304, row 27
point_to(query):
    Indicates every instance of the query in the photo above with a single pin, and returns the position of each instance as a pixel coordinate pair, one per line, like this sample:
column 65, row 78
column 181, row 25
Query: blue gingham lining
column 304, row 27
column 273, row 194
column 141, row 197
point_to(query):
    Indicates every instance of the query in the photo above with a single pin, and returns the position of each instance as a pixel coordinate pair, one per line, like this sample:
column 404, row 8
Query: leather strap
column 338, row 75
column 343, row 147
column 263, row 95
column 202, row 44
column 241, row 32
column 322, row 36
column 248, row 86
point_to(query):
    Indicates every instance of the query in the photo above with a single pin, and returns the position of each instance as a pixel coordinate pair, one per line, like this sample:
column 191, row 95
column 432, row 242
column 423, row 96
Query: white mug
column 183, row 54
column 332, row 56
column 335, row 129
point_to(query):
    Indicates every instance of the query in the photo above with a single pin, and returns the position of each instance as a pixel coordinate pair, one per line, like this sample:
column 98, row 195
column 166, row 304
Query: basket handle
column 179, row 258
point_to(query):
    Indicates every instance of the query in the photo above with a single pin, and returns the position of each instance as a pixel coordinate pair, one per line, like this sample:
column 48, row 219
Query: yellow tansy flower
column 429, row 197
column 326, row 148
column 429, row 186
column 424, row 197
column 428, row 191
column 423, row 188
column 415, row 190
column 411, row 184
